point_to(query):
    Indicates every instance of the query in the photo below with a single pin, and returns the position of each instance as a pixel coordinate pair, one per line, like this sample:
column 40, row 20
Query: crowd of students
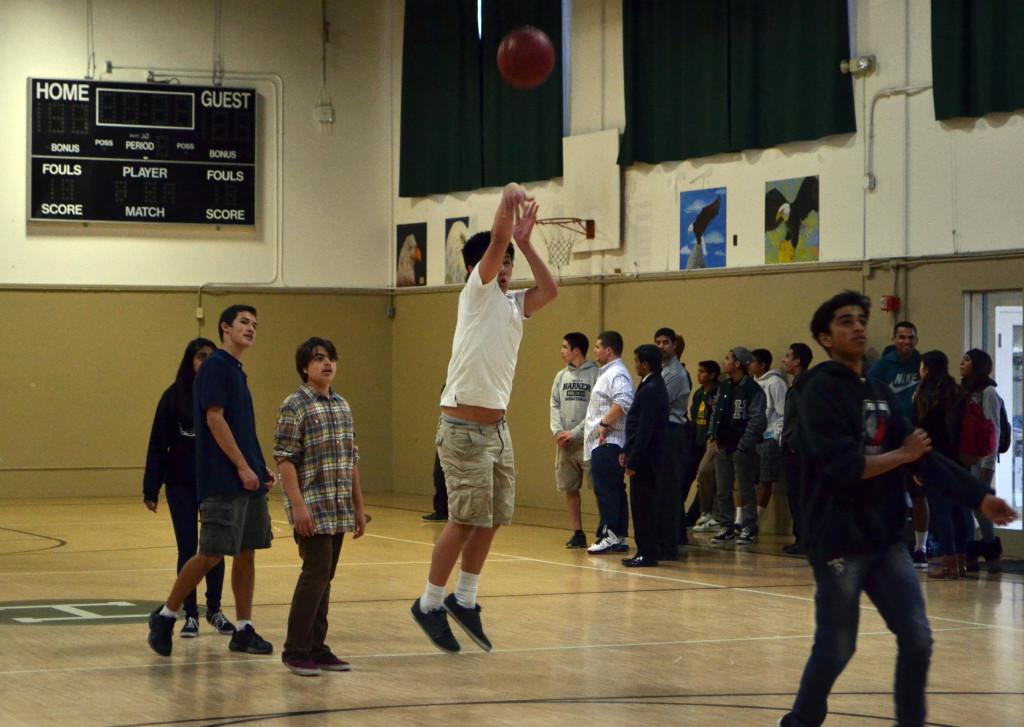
column 736, row 436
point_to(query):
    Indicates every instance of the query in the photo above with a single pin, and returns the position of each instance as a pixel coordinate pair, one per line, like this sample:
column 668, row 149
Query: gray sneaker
column 220, row 623
column 191, row 628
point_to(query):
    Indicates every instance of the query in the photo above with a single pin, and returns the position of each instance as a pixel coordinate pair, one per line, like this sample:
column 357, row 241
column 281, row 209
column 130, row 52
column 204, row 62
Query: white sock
column 465, row 589
column 432, row 598
column 168, row 612
column 240, row 624
column 760, row 512
column 739, row 516
column 920, row 539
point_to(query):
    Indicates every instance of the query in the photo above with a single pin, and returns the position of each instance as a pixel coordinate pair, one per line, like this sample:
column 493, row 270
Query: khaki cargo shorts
column 570, row 469
column 479, row 470
column 231, row 524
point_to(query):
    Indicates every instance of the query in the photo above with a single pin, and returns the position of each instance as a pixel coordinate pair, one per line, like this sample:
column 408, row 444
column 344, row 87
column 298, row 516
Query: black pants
column 440, row 488
column 791, row 469
column 184, row 507
column 643, row 499
column 671, row 495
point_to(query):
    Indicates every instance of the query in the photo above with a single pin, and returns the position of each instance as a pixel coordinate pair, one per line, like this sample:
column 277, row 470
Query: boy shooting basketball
column 473, row 439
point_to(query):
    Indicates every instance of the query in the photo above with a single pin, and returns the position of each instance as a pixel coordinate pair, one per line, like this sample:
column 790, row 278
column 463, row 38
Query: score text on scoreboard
column 129, row 152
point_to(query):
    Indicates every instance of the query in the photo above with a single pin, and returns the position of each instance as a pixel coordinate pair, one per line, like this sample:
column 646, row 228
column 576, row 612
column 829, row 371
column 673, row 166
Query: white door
column 1009, row 369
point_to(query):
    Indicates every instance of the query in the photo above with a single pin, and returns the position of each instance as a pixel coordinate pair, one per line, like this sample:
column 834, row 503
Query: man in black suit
column 646, row 427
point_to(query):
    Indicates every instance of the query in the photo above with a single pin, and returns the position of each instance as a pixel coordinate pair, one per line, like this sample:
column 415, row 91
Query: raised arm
column 512, row 196
column 546, row 289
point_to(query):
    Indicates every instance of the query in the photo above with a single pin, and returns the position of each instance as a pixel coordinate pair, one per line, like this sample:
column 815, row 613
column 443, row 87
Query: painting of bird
column 796, row 218
column 410, row 269
column 702, row 225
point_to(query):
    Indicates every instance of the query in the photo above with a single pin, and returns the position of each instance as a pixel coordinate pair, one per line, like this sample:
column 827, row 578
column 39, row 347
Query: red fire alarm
column 891, row 303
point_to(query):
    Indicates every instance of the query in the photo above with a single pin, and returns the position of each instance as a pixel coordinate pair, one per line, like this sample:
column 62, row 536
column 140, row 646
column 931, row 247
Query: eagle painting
column 411, row 266
column 704, row 231
column 788, row 225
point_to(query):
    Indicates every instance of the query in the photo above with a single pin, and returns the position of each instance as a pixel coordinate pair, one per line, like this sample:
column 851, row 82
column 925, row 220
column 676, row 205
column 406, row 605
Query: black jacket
column 789, row 435
column 739, row 419
column 171, row 458
column 646, row 424
column 842, row 418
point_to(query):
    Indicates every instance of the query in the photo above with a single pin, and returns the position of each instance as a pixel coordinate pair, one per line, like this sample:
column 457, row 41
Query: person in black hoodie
column 171, row 459
column 853, row 441
column 737, row 426
column 644, row 455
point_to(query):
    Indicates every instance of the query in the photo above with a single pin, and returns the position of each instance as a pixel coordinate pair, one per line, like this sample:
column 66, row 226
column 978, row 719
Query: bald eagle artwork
column 411, row 267
column 791, row 221
column 456, row 232
column 702, row 229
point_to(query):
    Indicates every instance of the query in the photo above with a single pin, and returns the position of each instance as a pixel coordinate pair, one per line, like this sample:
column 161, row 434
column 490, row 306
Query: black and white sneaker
column 161, row 632
column 191, row 628
column 250, row 642
column 435, row 625
column 920, row 560
column 725, row 536
column 747, row 536
column 220, row 623
column 469, row 620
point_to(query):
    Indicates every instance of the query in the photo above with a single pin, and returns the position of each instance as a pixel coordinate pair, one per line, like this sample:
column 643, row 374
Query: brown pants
column 307, row 619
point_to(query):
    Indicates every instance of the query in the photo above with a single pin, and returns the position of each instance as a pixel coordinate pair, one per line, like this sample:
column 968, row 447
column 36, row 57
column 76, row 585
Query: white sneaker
column 605, row 545
column 708, row 526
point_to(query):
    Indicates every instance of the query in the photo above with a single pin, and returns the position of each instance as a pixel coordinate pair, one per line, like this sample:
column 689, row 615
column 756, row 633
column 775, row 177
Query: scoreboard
column 135, row 152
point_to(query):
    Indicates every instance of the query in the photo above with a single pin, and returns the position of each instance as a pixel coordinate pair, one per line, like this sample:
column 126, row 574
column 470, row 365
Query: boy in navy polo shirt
column 233, row 501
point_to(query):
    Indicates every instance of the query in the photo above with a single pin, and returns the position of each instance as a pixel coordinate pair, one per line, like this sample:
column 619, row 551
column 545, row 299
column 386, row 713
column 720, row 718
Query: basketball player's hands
column 151, row 505
column 527, row 217
column 916, row 445
column 600, row 435
column 562, row 439
column 249, row 479
column 512, row 197
column 360, row 523
column 997, row 510
column 271, row 480
column 302, row 519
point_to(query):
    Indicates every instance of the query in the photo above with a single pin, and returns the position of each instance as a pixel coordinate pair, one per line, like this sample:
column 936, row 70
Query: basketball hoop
column 560, row 234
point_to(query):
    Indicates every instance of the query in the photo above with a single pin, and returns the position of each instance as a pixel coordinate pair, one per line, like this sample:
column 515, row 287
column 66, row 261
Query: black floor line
column 57, row 542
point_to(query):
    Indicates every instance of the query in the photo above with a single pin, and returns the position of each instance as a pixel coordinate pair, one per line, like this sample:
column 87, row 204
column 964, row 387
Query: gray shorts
column 233, row 523
column 479, row 471
column 570, row 469
column 769, row 455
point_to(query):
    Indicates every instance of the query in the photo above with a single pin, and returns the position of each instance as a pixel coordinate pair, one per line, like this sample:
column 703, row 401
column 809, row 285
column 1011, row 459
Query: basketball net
column 560, row 234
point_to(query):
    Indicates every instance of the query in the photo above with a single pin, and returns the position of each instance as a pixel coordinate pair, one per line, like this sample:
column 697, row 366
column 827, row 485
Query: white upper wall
column 334, row 223
column 940, row 187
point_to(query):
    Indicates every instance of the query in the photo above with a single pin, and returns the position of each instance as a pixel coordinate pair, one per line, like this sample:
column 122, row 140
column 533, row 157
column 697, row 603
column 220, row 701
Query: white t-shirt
column 486, row 345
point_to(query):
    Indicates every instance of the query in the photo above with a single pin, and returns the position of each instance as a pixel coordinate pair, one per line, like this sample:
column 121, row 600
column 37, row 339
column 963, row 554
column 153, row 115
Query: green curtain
column 441, row 149
column 977, row 57
column 522, row 130
column 705, row 77
column 784, row 78
column 676, row 80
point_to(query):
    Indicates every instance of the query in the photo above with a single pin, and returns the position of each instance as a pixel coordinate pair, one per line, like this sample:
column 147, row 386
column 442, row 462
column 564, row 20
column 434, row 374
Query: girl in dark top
column 172, row 460
column 935, row 407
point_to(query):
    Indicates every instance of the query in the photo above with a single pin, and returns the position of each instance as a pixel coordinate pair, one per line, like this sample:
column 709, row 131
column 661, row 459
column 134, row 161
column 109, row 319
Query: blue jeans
column 950, row 523
column 890, row 582
column 184, row 507
column 610, row 489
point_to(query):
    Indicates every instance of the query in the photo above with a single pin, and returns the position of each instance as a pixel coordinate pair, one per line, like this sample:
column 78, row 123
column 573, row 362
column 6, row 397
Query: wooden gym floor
column 719, row 638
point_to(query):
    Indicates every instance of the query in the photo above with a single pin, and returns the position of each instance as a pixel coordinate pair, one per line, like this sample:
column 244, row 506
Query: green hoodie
column 900, row 376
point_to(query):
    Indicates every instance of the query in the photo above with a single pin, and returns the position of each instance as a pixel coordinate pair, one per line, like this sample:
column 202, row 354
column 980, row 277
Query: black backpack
column 1005, row 432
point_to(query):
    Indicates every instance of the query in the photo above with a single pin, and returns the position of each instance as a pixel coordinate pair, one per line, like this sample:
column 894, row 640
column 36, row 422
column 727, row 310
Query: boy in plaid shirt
column 317, row 455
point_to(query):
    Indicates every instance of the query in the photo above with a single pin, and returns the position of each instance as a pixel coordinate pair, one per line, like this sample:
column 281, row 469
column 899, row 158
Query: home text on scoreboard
column 102, row 151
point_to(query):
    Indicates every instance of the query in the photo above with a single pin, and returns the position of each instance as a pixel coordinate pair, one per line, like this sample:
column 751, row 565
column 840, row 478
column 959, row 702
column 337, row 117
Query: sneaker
column 796, row 548
column 578, row 540
column 704, row 517
column 785, row 720
column 329, row 662
column 920, row 560
column 469, row 620
column 161, row 632
column 606, row 545
column 303, row 666
column 220, row 623
column 620, row 547
column 250, row 642
column 191, row 628
column 747, row 536
column 434, row 517
column 435, row 625
column 725, row 535
column 708, row 526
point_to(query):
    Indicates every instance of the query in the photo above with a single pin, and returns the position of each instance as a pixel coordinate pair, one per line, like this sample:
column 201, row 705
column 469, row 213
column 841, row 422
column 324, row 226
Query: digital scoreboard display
column 132, row 152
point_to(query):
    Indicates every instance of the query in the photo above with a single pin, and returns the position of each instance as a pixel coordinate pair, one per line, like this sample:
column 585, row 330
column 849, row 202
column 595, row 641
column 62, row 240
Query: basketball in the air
column 526, row 57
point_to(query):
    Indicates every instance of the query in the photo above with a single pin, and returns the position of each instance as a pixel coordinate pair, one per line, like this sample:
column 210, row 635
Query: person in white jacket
column 570, row 396
column 769, row 452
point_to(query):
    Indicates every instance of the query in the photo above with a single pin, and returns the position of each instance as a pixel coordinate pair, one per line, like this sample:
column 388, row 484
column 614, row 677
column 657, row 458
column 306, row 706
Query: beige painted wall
column 83, row 372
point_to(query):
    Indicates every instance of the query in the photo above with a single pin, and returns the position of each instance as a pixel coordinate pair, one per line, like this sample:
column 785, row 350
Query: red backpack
column 977, row 434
